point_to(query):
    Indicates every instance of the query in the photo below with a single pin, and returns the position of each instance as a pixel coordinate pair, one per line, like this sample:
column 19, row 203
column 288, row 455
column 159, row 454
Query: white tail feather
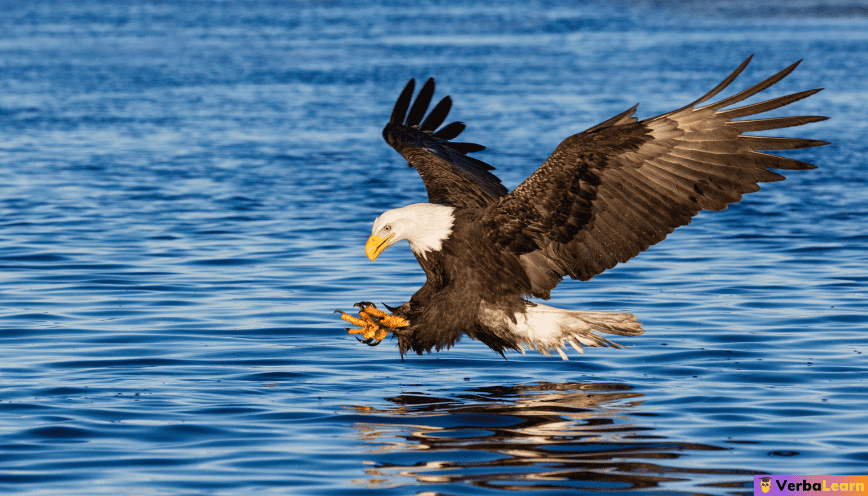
column 546, row 328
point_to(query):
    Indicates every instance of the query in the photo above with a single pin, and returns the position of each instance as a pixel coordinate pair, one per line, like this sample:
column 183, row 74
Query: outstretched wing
column 451, row 177
column 609, row 193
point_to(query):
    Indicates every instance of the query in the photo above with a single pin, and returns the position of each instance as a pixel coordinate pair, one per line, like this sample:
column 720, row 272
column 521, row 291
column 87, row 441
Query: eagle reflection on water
column 576, row 437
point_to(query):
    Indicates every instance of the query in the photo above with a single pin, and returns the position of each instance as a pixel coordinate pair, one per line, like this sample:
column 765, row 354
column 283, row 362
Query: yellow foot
column 374, row 324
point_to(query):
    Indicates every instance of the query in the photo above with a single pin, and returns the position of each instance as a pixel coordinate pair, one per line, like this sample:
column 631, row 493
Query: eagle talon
column 374, row 324
column 380, row 317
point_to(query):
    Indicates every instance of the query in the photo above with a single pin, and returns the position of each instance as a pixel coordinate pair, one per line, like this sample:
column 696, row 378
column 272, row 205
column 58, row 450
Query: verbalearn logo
column 806, row 486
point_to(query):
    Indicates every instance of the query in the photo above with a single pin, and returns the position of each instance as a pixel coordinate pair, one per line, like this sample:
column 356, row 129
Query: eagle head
column 424, row 225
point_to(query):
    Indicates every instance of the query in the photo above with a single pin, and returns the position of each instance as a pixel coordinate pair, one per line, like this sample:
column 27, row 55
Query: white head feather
column 424, row 225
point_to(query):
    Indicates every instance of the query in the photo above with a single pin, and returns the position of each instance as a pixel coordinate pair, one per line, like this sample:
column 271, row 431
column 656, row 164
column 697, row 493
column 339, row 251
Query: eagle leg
column 374, row 324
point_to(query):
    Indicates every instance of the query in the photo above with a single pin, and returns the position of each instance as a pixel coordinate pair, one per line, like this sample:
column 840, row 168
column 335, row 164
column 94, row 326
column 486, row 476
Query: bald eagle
column 602, row 197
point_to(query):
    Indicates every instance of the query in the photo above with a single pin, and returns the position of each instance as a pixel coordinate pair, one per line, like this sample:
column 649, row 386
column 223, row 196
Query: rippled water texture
column 185, row 193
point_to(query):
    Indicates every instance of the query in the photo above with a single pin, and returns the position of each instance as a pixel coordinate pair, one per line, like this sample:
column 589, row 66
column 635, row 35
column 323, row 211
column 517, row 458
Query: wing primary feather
column 720, row 87
column 625, row 117
column 464, row 147
column 751, row 160
column 753, row 90
column 450, row 131
column 771, row 143
column 742, row 174
column 767, row 105
column 423, row 99
column 773, row 123
column 717, row 89
column 437, row 115
column 402, row 104
column 767, row 161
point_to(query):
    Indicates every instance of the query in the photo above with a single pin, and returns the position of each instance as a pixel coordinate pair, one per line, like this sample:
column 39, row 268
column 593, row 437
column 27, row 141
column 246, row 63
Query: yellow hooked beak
column 376, row 245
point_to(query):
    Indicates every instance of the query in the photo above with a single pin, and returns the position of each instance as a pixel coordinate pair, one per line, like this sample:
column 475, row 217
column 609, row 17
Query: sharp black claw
column 370, row 341
column 362, row 304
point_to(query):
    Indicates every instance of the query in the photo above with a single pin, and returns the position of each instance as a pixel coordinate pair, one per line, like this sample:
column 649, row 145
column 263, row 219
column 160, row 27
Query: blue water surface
column 185, row 193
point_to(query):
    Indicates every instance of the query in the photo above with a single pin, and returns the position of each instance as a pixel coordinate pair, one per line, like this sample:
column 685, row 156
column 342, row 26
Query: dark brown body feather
column 602, row 197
